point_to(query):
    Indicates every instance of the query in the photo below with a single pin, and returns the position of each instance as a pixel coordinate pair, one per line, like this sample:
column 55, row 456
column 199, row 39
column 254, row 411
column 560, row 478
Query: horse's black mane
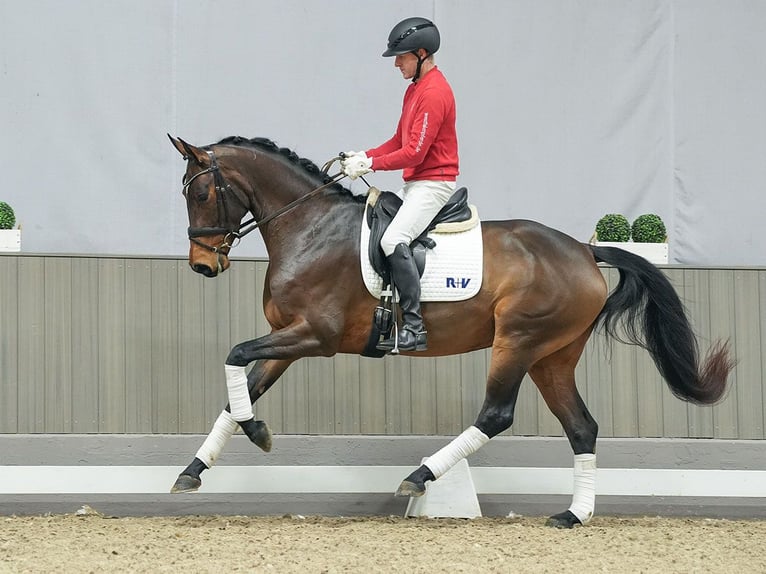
column 306, row 164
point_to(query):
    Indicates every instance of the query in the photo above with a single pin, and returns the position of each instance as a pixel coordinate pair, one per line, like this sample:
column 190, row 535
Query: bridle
column 222, row 191
column 232, row 234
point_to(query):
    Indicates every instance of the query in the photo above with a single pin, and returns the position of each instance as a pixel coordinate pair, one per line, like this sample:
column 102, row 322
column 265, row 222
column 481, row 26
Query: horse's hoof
column 263, row 436
column 415, row 483
column 407, row 488
column 258, row 432
column 186, row 483
column 563, row 520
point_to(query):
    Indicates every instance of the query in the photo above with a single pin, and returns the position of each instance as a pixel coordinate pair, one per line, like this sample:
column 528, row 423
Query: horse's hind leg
column 496, row 415
column 259, row 380
column 554, row 377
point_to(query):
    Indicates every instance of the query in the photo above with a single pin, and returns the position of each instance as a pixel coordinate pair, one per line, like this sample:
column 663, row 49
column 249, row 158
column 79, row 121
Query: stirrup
column 394, row 343
column 391, row 343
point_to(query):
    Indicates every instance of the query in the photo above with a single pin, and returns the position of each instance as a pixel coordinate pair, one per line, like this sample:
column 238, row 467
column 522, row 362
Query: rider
column 425, row 147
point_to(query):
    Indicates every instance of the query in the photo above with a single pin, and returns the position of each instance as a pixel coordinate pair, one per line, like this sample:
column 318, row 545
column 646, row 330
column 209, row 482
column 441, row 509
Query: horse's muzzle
column 207, row 262
column 204, row 269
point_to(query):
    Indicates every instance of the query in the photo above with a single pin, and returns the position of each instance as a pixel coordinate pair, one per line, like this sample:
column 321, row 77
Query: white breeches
column 422, row 201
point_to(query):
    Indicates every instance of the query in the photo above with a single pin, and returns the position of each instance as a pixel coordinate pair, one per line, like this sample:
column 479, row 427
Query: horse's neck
column 327, row 218
column 323, row 226
column 269, row 198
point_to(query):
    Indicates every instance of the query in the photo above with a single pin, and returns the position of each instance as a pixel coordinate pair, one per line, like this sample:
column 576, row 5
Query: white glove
column 356, row 165
column 353, row 153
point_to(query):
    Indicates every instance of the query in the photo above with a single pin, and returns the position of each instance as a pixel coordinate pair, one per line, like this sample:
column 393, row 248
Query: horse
column 541, row 297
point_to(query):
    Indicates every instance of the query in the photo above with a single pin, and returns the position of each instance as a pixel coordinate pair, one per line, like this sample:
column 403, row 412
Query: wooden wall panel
column 449, row 395
column 747, row 332
column 138, row 346
column 31, row 345
column 86, row 345
column 9, row 345
column 308, row 402
column 192, row 356
column 347, row 389
column 133, row 345
column 57, row 357
column 372, row 393
column 111, row 341
column 423, row 394
column 400, row 407
column 762, row 334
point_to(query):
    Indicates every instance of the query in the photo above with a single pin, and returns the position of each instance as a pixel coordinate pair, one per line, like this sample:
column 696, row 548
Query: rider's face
column 407, row 64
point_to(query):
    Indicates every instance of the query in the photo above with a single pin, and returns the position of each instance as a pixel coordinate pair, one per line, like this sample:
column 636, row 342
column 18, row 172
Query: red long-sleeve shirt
column 425, row 142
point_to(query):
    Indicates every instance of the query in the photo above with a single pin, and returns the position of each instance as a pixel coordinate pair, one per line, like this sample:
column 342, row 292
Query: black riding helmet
column 410, row 35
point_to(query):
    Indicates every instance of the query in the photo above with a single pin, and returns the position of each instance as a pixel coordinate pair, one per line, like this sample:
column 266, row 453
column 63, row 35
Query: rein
column 231, row 235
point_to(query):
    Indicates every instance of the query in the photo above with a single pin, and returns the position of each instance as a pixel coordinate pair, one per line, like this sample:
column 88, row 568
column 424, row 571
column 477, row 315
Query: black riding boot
column 412, row 336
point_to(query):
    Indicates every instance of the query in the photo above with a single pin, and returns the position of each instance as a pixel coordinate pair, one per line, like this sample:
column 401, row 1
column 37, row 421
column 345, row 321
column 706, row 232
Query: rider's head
column 416, row 36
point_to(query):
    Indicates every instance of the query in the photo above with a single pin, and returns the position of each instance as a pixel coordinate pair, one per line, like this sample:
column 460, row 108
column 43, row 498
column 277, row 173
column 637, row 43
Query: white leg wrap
column 584, row 494
column 471, row 440
column 211, row 449
column 239, row 397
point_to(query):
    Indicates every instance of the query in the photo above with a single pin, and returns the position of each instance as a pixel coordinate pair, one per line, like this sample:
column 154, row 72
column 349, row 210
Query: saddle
column 382, row 206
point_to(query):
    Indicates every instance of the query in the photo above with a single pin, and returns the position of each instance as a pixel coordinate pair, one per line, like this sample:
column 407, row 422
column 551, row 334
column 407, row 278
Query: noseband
column 232, row 234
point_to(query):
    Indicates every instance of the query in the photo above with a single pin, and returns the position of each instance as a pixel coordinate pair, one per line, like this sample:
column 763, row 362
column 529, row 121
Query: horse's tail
column 652, row 316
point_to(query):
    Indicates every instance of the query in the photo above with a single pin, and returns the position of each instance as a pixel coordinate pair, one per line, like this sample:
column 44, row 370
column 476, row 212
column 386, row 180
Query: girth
column 381, row 212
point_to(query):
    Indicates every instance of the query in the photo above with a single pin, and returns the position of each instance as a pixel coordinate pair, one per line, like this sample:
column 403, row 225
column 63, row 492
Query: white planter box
column 10, row 239
column 656, row 253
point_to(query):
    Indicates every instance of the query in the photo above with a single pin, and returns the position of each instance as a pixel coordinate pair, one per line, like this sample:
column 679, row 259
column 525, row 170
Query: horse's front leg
column 296, row 341
column 261, row 377
column 274, row 353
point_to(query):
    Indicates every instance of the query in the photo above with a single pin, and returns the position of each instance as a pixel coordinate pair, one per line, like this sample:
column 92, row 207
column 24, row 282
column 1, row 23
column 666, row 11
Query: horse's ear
column 189, row 151
column 178, row 145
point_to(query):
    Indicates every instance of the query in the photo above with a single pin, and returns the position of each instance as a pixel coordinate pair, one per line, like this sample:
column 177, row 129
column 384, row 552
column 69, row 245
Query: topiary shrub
column 7, row 217
column 613, row 227
column 649, row 228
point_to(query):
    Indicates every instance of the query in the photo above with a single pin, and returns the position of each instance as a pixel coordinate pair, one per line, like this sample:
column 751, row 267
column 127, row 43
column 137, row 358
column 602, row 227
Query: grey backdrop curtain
column 566, row 110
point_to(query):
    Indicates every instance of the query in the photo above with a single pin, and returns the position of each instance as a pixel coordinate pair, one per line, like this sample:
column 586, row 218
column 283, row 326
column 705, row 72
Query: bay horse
column 541, row 297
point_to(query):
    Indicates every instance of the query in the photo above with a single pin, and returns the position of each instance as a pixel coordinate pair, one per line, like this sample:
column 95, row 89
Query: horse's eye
column 199, row 195
column 199, row 192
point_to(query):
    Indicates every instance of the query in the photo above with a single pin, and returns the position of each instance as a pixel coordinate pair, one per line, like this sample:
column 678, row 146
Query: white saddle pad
column 453, row 269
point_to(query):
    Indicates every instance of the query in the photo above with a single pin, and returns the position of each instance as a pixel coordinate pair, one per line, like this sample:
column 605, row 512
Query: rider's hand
column 356, row 165
column 349, row 154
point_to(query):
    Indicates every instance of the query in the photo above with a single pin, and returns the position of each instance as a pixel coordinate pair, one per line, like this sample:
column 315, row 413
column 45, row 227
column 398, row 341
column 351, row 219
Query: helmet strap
column 420, row 64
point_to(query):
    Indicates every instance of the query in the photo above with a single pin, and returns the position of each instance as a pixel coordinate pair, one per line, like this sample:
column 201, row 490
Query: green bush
column 7, row 217
column 649, row 228
column 613, row 227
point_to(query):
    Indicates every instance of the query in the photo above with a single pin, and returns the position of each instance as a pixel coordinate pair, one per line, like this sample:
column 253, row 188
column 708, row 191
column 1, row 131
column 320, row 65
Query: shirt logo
column 423, row 131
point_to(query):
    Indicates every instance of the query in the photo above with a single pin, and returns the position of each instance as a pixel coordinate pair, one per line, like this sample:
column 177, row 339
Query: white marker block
column 453, row 495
